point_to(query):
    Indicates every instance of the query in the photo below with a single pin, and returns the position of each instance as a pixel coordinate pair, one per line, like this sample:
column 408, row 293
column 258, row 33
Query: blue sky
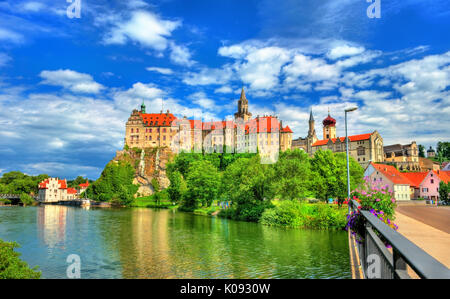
column 67, row 86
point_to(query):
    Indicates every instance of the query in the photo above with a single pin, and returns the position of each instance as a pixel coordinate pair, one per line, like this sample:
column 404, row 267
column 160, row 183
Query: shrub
column 26, row 199
column 11, row 266
column 300, row 214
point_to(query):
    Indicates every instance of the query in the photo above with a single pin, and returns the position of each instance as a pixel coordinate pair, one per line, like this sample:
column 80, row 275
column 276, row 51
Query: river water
column 153, row 243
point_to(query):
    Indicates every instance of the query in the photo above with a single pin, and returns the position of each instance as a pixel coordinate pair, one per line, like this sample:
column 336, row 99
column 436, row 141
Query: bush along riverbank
column 11, row 266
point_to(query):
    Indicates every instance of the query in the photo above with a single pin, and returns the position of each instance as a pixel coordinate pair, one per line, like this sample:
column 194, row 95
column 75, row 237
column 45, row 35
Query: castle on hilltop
column 243, row 134
column 364, row 148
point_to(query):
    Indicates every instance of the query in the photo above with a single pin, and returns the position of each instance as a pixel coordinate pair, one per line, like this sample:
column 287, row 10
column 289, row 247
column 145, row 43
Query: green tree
column 177, row 187
column 444, row 190
column 331, row 174
column 294, row 175
column 444, row 148
column 249, row 185
column 16, row 182
column 115, row 184
column 203, row 183
column 76, row 182
column 421, row 151
column 26, row 199
column 11, row 266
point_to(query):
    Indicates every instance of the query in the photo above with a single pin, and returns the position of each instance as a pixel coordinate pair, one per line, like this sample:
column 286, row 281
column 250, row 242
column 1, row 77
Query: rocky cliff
column 148, row 163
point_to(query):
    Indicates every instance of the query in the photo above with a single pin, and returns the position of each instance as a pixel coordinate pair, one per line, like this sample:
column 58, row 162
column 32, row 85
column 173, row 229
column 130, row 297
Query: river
column 158, row 243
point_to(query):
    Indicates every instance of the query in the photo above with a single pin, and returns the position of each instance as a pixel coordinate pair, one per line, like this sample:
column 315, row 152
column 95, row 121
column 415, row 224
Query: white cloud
column 143, row 27
column 310, row 69
column 223, row 89
column 180, row 55
column 262, row 67
column 201, row 99
column 209, row 76
column 343, row 51
column 164, row 71
column 4, row 59
column 33, row 6
column 72, row 80
column 11, row 36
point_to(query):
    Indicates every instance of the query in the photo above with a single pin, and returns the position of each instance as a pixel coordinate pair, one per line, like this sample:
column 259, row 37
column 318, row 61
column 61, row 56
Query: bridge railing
column 393, row 263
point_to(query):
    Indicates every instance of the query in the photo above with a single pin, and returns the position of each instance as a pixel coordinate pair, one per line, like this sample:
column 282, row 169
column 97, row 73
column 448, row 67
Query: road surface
column 437, row 217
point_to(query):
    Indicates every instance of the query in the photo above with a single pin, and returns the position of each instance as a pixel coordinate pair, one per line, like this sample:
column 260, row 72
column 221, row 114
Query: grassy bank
column 151, row 202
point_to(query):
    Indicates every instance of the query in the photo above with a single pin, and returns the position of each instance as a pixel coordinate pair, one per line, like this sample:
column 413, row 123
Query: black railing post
column 400, row 271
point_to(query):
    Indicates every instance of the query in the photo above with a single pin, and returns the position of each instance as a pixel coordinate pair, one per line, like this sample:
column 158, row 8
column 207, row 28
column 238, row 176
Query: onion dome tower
column 329, row 127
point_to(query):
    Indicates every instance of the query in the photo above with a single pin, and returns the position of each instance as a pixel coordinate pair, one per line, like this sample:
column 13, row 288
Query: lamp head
column 351, row 109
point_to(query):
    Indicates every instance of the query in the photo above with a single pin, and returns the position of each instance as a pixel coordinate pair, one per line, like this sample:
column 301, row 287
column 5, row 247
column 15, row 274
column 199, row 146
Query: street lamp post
column 346, row 145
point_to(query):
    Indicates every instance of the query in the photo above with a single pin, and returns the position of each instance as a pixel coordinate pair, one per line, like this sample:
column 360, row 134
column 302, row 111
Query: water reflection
column 51, row 220
column 147, row 243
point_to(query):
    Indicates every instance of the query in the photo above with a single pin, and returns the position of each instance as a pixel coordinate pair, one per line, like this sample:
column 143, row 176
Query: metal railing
column 393, row 263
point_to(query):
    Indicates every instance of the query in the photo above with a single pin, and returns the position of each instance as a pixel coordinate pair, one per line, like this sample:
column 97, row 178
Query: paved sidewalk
column 433, row 241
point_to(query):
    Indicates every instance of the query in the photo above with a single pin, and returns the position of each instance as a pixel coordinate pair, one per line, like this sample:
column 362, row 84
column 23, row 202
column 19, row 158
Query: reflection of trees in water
column 51, row 221
column 166, row 244
column 308, row 253
column 139, row 236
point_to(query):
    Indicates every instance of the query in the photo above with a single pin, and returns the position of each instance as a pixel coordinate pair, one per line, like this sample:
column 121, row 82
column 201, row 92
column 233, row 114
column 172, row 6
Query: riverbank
column 294, row 214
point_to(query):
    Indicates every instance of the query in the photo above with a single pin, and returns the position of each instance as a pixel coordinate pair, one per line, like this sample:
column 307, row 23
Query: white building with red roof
column 382, row 175
column 83, row 187
column 53, row 190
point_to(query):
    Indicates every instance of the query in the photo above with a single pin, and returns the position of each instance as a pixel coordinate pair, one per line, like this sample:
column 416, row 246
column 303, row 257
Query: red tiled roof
column 391, row 173
column 444, row 175
column 416, row 178
column 266, row 124
column 43, row 184
column 342, row 139
column 71, row 191
column 85, row 185
column 158, row 119
column 286, row 130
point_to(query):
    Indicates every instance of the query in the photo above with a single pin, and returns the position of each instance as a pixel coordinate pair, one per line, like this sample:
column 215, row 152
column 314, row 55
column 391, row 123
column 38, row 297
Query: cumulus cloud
column 72, row 80
column 143, row 27
column 201, row 99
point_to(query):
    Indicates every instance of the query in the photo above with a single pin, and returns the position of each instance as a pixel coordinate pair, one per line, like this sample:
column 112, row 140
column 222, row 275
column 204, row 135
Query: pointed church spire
column 311, row 117
column 243, row 94
column 143, row 107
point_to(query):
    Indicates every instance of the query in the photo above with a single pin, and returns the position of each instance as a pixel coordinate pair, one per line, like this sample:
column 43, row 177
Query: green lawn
column 149, row 202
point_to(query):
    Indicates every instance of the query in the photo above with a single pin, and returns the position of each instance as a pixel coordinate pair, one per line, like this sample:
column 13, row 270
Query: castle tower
column 143, row 107
column 243, row 107
column 312, row 137
column 312, row 130
column 329, row 127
